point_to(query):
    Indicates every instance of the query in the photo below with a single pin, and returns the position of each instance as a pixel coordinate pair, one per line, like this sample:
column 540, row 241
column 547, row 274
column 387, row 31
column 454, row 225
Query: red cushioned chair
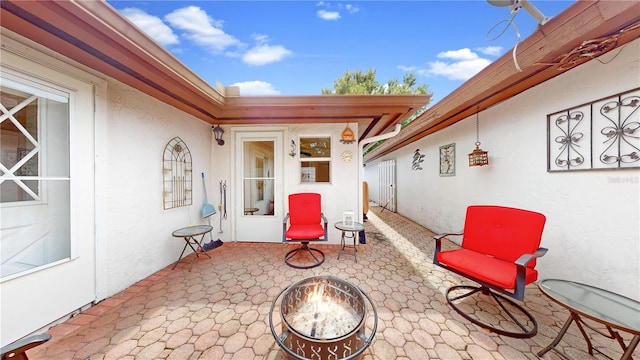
column 307, row 224
column 498, row 251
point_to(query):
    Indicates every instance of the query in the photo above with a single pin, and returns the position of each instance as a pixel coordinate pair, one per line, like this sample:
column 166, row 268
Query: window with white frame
column 34, row 175
column 315, row 159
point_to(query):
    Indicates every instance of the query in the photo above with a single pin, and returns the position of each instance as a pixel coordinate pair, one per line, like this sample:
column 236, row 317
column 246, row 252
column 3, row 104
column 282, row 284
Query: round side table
column 349, row 232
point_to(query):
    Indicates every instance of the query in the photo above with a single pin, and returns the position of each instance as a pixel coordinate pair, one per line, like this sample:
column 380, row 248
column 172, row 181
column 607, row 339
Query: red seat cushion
column 485, row 268
column 305, row 232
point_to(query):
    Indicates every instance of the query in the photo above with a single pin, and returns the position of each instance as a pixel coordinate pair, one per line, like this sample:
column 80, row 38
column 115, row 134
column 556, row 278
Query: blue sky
column 300, row 47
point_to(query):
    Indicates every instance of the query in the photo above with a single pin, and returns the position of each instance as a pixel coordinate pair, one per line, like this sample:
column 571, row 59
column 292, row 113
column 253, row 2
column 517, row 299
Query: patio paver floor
column 220, row 309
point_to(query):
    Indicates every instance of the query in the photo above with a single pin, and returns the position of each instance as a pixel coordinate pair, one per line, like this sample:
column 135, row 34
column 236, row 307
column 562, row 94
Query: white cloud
column 256, row 88
column 460, row 55
column 151, row 25
column 491, row 50
column 460, row 70
column 328, row 15
column 352, row 8
column 407, row 68
column 460, row 64
column 200, row 28
column 197, row 26
column 265, row 54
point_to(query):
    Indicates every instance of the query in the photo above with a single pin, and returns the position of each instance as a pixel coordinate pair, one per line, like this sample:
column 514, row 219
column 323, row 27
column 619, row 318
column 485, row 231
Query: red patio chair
column 307, row 224
column 498, row 251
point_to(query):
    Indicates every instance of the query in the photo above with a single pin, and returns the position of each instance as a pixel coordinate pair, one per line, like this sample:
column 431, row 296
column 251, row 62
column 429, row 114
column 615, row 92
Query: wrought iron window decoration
column 600, row 135
column 177, row 174
column 417, row 160
column 347, row 135
column 448, row 160
column 478, row 157
column 218, row 132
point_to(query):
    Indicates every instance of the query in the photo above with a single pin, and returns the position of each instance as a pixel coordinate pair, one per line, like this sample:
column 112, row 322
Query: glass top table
column 348, row 232
column 612, row 310
column 190, row 235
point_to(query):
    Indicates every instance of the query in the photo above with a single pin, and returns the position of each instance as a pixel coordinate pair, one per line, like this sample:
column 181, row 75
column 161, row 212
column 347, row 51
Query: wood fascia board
column 347, row 107
column 292, row 120
column 329, row 100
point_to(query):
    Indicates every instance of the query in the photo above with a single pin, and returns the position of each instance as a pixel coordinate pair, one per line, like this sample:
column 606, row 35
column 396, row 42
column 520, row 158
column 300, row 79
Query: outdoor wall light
column 217, row 132
column 478, row 157
column 292, row 148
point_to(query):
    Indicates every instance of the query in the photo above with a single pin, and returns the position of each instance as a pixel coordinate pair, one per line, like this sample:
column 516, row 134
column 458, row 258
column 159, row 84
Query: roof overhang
column 94, row 34
column 586, row 30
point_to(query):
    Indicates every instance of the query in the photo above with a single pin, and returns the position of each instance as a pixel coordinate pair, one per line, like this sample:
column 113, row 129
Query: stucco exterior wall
column 337, row 196
column 134, row 231
column 593, row 217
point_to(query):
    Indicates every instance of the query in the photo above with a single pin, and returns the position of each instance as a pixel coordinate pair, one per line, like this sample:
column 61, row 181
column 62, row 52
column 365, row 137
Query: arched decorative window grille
column 177, row 175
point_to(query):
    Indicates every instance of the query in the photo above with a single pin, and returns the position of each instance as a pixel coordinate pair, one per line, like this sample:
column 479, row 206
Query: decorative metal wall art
column 604, row 134
column 417, row 160
column 177, row 175
column 448, row 160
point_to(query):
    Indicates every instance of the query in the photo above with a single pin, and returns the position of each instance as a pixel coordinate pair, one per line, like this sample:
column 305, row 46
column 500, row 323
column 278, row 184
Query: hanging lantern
column 347, row 135
column 478, row 157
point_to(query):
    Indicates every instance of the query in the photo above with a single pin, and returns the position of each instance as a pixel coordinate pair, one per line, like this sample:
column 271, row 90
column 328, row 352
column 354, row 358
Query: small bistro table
column 610, row 309
column 190, row 234
column 349, row 232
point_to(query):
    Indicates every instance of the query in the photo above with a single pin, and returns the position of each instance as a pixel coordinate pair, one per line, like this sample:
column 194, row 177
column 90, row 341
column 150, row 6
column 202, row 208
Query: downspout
column 361, row 144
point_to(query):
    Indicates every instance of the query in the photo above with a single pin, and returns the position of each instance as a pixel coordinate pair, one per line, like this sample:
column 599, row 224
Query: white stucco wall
column 593, row 217
column 337, row 196
column 133, row 229
column 342, row 193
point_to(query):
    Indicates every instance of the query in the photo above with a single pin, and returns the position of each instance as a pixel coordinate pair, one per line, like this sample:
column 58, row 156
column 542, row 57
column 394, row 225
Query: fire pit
column 323, row 317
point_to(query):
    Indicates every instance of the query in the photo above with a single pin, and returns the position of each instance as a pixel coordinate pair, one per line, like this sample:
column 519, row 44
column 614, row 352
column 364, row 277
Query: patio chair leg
column 526, row 332
column 317, row 259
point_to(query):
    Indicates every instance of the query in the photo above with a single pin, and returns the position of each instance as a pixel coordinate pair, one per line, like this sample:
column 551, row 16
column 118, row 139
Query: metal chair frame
column 500, row 295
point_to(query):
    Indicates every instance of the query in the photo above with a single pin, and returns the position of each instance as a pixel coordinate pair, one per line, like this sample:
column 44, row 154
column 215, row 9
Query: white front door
column 47, row 244
column 258, row 195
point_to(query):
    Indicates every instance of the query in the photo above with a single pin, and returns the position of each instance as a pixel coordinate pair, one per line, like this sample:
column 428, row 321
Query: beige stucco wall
column 134, row 230
column 593, row 217
column 337, row 196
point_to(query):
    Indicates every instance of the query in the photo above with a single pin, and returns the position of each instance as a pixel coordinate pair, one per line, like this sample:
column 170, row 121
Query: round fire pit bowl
column 323, row 317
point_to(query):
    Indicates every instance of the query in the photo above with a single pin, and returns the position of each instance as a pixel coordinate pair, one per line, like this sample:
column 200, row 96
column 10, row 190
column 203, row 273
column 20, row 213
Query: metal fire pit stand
column 280, row 339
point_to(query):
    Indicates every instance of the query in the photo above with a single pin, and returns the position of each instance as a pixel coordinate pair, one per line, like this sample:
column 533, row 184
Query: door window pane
column 34, row 178
column 258, row 182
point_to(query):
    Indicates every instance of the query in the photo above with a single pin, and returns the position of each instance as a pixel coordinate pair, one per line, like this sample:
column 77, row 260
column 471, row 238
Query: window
column 315, row 159
column 34, row 175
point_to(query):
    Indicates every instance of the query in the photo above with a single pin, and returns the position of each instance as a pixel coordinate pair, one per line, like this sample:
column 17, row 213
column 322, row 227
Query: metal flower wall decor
column 604, row 134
